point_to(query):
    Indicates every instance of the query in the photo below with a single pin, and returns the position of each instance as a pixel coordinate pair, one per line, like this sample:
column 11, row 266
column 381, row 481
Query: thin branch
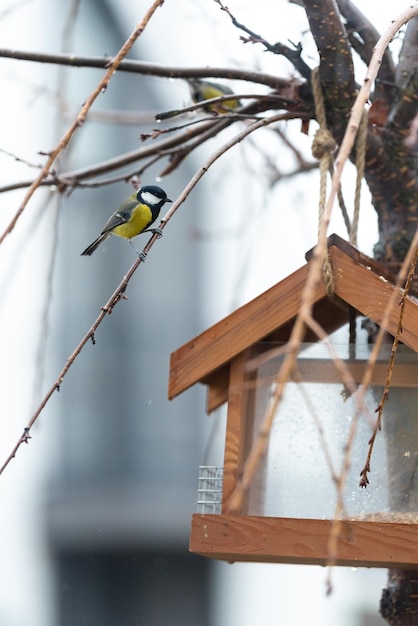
column 19, row 159
column 273, row 97
column 159, row 149
column 70, row 179
column 293, row 55
column 81, row 117
column 147, row 69
column 119, row 293
column 192, row 145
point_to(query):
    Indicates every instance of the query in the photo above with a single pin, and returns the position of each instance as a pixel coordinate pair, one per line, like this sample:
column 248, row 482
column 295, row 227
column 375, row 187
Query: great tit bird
column 202, row 90
column 133, row 216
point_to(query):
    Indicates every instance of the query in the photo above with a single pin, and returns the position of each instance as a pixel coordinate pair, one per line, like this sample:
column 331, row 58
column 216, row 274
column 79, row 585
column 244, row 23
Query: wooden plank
column 330, row 313
column 217, row 393
column 247, row 325
column 324, row 371
column 316, row 371
column 289, row 540
column 355, row 254
column 238, row 428
column 369, row 293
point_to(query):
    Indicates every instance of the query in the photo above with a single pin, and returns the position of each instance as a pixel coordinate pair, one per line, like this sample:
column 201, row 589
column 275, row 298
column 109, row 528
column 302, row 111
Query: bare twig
column 19, row 159
column 293, row 55
column 201, row 105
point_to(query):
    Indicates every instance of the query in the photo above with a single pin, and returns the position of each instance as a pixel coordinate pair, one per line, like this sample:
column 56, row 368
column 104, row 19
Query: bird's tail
column 96, row 243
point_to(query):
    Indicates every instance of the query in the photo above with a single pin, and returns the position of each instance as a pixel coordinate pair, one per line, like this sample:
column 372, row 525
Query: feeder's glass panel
column 318, row 431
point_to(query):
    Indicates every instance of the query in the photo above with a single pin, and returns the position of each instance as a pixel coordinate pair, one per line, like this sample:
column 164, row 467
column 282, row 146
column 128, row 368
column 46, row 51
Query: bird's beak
column 168, row 200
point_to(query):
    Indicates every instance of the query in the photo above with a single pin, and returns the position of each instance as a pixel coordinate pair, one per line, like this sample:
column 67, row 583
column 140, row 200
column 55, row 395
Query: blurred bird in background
column 202, row 90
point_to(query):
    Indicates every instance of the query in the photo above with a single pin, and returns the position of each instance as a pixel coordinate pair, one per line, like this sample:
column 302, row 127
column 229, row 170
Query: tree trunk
column 399, row 605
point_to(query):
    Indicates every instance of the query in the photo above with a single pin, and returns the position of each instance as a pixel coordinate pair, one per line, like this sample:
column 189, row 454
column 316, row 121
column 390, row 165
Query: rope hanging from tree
column 361, row 144
column 323, row 147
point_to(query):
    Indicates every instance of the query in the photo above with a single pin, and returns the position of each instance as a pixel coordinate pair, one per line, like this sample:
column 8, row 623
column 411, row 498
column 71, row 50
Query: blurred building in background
column 123, row 485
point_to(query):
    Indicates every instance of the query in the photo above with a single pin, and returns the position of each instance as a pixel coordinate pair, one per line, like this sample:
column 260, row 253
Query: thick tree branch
column 336, row 65
column 363, row 37
column 408, row 57
column 393, row 179
column 406, row 105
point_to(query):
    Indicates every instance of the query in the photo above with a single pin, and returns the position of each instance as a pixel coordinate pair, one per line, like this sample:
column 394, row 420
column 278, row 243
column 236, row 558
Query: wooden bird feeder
column 288, row 511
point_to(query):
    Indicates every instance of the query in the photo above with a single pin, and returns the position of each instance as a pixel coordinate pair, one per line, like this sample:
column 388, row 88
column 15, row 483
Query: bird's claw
column 155, row 231
column 142, row 255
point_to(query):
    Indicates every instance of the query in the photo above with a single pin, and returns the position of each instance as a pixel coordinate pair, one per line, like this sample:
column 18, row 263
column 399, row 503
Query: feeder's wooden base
column 290, row 540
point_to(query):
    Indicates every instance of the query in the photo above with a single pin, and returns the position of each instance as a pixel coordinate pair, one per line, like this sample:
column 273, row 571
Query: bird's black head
column 153, row 196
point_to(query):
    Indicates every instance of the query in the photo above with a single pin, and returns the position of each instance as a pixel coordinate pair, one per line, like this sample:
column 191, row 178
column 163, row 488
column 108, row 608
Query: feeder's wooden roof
column 359, row 282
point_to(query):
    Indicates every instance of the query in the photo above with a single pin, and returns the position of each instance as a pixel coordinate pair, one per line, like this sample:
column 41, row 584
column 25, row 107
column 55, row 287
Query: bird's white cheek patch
column 149, row 198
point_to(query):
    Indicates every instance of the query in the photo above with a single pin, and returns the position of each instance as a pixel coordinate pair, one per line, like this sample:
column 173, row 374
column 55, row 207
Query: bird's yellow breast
column 212, row 92
column 140, row 218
